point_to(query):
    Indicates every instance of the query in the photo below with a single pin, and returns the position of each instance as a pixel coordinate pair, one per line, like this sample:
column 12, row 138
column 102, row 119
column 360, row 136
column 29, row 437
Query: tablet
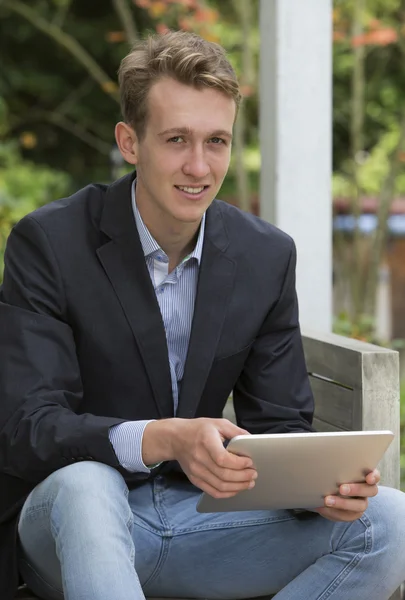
column 297, row 470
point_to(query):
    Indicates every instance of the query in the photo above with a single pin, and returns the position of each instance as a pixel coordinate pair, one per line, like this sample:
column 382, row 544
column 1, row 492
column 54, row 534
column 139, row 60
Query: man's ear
column 127, row 142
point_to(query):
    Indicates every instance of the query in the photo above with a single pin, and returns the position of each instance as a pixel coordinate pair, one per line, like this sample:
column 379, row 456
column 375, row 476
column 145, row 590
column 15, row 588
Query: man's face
column 184, row 156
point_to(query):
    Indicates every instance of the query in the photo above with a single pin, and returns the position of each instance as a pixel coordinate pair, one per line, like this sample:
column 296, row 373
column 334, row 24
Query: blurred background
column 59, row 104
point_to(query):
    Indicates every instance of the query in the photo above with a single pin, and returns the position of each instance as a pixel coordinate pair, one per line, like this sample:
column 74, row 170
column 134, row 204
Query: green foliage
column 385, row 82
column 373, row 171
column 53, row 97
column 23, row 188
column 383, row 7
column 61, row 3
column 363, row 330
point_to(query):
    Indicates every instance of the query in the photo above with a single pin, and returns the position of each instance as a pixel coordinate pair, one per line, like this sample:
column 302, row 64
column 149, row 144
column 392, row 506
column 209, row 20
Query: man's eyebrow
column 188, row 131
column 221, row 133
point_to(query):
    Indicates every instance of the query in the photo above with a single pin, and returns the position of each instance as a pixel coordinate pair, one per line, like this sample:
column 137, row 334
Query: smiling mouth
column 191, row 190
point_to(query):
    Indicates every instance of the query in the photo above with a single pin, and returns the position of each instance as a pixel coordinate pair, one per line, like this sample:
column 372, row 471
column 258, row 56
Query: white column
column 296, row 142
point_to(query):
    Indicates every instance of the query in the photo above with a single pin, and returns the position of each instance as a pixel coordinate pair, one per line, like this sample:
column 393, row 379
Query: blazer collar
column 214, row 291
column 124, row 263
column 117, row 219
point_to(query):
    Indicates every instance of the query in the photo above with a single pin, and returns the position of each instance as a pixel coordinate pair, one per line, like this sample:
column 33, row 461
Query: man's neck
column 177, row 239
column 176, row 247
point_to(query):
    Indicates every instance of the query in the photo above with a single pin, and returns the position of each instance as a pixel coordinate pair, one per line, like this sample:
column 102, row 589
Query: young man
column 129, row 313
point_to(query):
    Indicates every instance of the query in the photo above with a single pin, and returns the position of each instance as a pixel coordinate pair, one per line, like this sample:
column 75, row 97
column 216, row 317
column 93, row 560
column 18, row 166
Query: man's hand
column 352, row 501
column 197, row 445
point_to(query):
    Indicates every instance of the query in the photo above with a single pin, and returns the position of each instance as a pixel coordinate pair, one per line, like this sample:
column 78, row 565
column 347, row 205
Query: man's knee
column 80, row 480
column 388, row 506
column 82, row 475
column 76, row 499
column 386, row 513
column 73, row 511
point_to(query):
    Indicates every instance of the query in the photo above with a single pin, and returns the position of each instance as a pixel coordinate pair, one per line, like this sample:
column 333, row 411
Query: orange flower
column 377, row 37
column 338, row 36
column 162, row 28
column 157, row 9
column 115, row 36
column 143, row 3
column 110, row 87
column 28, row 140
column 246, row 90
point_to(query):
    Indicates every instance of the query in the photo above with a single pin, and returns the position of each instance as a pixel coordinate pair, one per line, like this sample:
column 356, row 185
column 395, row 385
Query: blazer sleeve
column 40, row 383
column 273, row 394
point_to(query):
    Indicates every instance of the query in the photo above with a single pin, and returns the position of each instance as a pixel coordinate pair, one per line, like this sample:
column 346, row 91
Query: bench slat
column 325, row 426
column 334, row 404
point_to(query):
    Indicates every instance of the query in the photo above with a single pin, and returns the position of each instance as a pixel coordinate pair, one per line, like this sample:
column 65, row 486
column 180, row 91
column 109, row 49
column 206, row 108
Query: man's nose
column 196, row 164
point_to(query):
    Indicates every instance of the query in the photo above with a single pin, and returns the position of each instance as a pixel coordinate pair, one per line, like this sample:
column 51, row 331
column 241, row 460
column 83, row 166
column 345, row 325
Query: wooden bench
column 356, row 387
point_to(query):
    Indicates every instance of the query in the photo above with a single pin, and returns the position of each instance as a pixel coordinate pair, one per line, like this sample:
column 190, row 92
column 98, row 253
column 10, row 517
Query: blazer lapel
column 123, row 260
column 215, row 284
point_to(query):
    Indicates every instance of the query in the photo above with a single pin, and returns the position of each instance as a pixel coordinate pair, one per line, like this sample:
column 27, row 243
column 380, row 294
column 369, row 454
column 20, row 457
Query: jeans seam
column 146, row 527
column 353, row 563
column 32, row 510
column 158, row 502
column 160, row 507
column 232, row 525
column 129, row 525
column 159, row 564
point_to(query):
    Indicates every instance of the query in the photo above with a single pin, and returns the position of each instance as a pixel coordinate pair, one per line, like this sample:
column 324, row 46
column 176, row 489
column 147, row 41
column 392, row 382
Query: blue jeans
column 85, row 537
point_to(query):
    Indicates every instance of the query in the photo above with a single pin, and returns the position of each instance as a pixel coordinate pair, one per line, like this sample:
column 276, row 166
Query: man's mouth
column 191, row 190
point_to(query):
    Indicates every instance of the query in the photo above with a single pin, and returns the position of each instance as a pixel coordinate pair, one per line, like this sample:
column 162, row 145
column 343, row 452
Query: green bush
column 23, row 188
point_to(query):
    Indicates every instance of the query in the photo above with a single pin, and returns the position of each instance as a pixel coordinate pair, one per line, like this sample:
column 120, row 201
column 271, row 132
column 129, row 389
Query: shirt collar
column 150, row 245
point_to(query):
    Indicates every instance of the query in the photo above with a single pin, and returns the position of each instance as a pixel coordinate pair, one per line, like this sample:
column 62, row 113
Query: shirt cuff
column 126, row 439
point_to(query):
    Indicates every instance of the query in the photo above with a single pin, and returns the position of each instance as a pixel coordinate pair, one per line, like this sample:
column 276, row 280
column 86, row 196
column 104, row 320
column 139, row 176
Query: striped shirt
column 175, row 293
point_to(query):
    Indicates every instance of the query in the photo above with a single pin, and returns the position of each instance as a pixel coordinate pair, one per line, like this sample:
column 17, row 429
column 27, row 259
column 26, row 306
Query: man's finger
column 362, row 490
column 373, row 478
column 219, row 488
column 234, row 475
column 229, row 430
column 355, row 505
column 225, row 459
column 209, row 489
column 217, row 476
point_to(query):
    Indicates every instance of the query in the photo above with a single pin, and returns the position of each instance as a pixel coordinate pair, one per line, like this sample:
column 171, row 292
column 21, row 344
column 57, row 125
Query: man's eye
column 176, row 139
column 217, row 140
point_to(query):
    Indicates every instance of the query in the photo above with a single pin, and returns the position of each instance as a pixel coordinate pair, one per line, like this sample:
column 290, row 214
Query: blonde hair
column 186, row 57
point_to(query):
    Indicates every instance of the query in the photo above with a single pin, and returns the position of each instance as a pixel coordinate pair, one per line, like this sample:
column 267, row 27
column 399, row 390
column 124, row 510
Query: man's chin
column 188, row 218
column 191, row 214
